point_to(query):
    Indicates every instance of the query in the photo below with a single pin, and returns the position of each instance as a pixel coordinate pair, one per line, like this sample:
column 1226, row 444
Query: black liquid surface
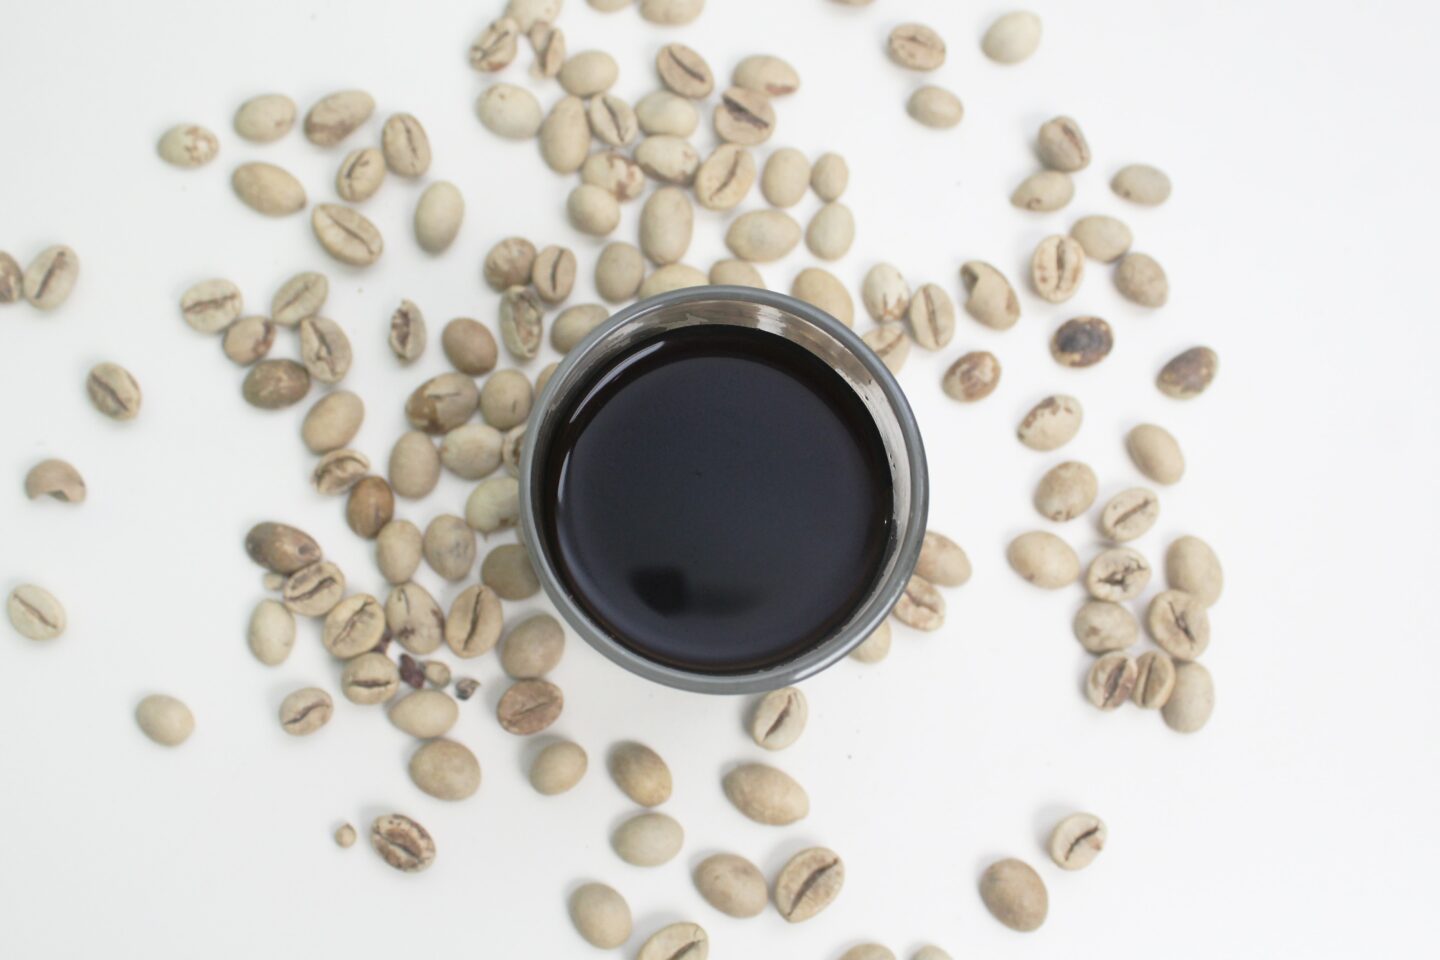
column 719, row 499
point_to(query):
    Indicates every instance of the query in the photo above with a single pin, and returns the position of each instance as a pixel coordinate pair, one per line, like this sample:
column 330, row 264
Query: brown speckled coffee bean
column 1130, row 514
column 684, row 71
column 402, row 843
column 1119, row 573
column 522, row 323
column 1189, row 373
column 973, row 377
column 932, row 317
column 1057, row 267
column 1077, row 840
column 280, row 548
column 808, row 883
column 370, row 507
column 1066, row 491
column 1140, row 279
column 530, row 706
column 1178, row 624
column 1154, row 680
column 442, row 403
column 916, row 47
column 275, row 384
column 1082, row 342
column 1051, row 423
column 188, row 145
column 885, row 293
column 1102, row 627
column 744, row 117
column 921, row 606
column 339, row 471
column 1110, row 681
column 1062, row 146
column 414, row 619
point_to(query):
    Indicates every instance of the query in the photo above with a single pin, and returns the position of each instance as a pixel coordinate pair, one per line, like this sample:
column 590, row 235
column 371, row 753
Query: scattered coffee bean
column 935, row 107
column 744, row 117
column 442, row 403
column 766, row 795
column 353, row 627
column 472, row 450
column 1178, row 624
column 823, row 289
column 55, row 479
column 496, row 46
column 469, row 346
column 337, row 116
column 1117, row 574
column 875, row 647
column 932, row 317
column 533, row 648
column 762, row 235
column 640, row 773
column 449, row 547
column 211, row 305
column 339, row 471
column 1102, row 627
column 1130, row 514
column 779, row 718
column 612, row 120
column 678, row 941
column 1077, row 840
column 398, row 551
column 972, row 377
column 1043, row 559
column 725, row 177
column 808, row 883
column 991, row 299
column 346, row 235
column 522, row 323
column 1102, row 238
column 931, row 952
column 548, row 42
column 1191, row 701
column 1012, row 38
column 868, row 951
column 280, row 548
column 360, row 175
column 921, row 606
column 165, row 720
column 506, row 399
column 1062, row 146
column 885, row 293
column 51, row 277
column 1154, row 680
column 1015, row 895
column 313, row 591
column 509, row 111
column 558, row 768
column 732, row 885
column 301, row 296
column 829, row 177
column 684, row 71
column 1142, row 183
column 268, row 189
column 333, row 421
column 493, row 505
column 305, row 711
column 345, row 836
column 891, row 344
column 369, row 679
column 916, row 47
column 1189, row 373
column 588, row 73
column 565, row 136
column 12, row 279
column 1142, row 280
column 188, row 145
column 527, row 13
column 831, row 232
column 35, row 613
column 248, row 339
column 265, row 118
column 402, row 843
column 786, row 177
column 671, row 13
column 325, row 349
column 648, row 839
column 1066, row 491
column 1056, row 268
column 600, row 915
column 1051, row 423
column 619, row 270
column 474, row 624
column 1156, row 453
column 438, row 215
column 942, row 561
column 668, row 159
column 593, row 210
column 530, row 706
column 1044, row 191
column 666, row 224
column 1082, row 342
column 446, row 770
column 1191, row 566
column 414, row 465
column 405, row 145
column 271, row 635
column 766, row 74
column 414, row 619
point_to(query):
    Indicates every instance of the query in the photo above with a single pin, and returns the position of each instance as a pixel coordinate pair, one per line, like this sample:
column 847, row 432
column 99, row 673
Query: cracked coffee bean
column 1154, row 680
column 1111, row 680
column 1117, row 574
column 369, row 679
column 808, row 883
column 305, row 711
column 678, row 941
column 113, row 391
column 402, row 843
column 530, row 706
column 779, row 718
column 1077, row 840
column 684, row 71
column 744, row 117
column 1057, row 267
column 1178, row 624
column 55, row 479
column 35, row 613
column 1062, row 146
column 1130, row 514
column 314, row 590
column 354, row 626
column 916, row 47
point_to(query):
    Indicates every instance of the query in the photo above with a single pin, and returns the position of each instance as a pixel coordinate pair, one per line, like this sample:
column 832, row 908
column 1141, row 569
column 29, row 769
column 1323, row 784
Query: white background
column 1299, row 244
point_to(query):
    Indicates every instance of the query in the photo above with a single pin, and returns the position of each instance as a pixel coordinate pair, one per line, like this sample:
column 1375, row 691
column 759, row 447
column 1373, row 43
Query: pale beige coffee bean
column 1044, row 191
column 314, row 591
column 1102, row 627
column 275, row 384
column 574, row 324
column 1056, row 268
column 1142, row 184
column 615, row 172
column 891, row 344
column 1062, row 146
column 766, row 74
column 55, row 479
column 1043, row 559
column 248, row 340
column 408, row 333
column 762, row 235
column 565, row 136
column 601, row 916
column 619, row 270
column 831, row 232
column 280, row 548
column 558, row 768
column 35, row 613
column 779, row 718
column 211, row 305
column 829, row 177
column 442, row 403
column 510, row 263
column 991, row 299
column 398, row 551
column 684, row 71
column 1015, row 895
column 885, row 293
column 469, row 346
column 868, row 951
column 672, row 276
column 527, row 13
column 188, row 145
column 414, row 465
column 325, row 349
column 668, row 159
column 930, row 951
column 1066, row 491
column 1178, row 624
column 346, row 235
column 339, row 471
column 506, row 399
column 1140, row 279
column 640, row 773
column 509, row 111
column 766, row 795
column 808, row 883
column 612, row 120
column 1082, row 342
column 529, row 706
column 305, row 711
column 744, row 117
column 402, row 843
column 522, row 323
column 588, row 73
column 875, row 647
column 336, row 116
column 471, row 451
column 496, row 46
column 449, row 547
column 12, row 279
column 916, row 47
column 932, row 317
column 165, row 720
column 935, row 107
column 333, row 421
column 271, row 634
column 354, row 626
column 725, row 177
column 1102, row 238
column 369, row 679
column 667, row 222
column 533, row 648
column 921, row 606
column 823, row 289
column 736, row 273
column 973, row 377
column 268, row 189
column 648, row 839
column 1051, row 423
column 609, row 6
column 593, row 210
column 370, row 507
column 446, row 770
column 679, row 940
column 1012, row 38
column 671, row 13
column 1156, row 453
column 360, row 175
column 1119, row 573
column 663, row 112
column 732, row 885
column 786, row 177
column 437, row 674
column 1130, row 514
column 942, row 561
column 1189, row 373
column 1192, row 700
column 1076, row 841
column 548, row 42
column 1154, row 680
column 493, row 505
column 299, row 297
column 508, row 571
column 1192, row 566
column 474, row 624
column 406, row 146
column 345, row 836
column 265, row 118
column 51, row 277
